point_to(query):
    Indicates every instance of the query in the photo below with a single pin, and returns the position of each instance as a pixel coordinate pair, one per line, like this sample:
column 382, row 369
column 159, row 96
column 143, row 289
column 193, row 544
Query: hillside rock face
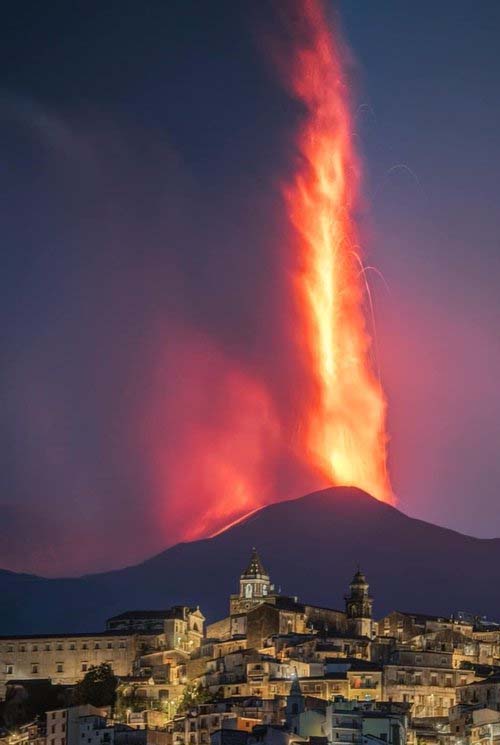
column 310, row 547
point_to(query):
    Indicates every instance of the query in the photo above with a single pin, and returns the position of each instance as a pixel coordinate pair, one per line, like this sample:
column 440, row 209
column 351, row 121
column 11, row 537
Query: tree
column 98, row 687
column 193, row 696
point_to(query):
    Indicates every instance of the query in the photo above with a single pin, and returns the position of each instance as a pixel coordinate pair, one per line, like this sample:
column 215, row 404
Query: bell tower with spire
column 254, row 585
column 358, row 606
column 295, row 705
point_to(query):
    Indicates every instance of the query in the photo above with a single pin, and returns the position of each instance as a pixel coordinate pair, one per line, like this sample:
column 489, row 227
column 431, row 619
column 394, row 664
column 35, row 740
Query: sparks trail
column 344, row 419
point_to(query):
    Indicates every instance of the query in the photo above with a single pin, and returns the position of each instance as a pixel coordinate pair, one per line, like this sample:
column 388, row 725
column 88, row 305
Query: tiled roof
column 255, row 567
column 77, row 635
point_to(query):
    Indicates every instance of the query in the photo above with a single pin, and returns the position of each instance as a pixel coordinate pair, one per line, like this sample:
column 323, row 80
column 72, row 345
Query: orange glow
column 343, row 434
column 212, row 434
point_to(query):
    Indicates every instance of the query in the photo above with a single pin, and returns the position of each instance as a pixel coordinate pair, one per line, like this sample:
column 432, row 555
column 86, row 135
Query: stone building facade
column 425, row 680
column 65, row 658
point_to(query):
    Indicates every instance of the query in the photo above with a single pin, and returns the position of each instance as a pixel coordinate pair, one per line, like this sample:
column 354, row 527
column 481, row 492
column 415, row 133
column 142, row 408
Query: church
column 258, row 612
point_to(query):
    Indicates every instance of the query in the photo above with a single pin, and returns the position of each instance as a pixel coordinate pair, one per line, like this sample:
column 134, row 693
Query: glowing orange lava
column 344, row 423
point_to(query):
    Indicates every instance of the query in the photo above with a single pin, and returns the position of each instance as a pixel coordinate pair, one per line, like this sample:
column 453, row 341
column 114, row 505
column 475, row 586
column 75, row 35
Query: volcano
column 310, row 546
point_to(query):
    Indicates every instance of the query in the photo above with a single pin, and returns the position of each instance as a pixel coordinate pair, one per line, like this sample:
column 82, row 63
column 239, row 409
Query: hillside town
column 274, row 671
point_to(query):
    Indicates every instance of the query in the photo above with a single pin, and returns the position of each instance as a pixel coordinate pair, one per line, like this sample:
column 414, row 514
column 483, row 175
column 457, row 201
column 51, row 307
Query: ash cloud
column 147, row 383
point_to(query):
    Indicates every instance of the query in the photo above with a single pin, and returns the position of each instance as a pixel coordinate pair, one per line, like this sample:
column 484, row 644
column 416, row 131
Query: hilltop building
column 258, row 612
column 275, row 671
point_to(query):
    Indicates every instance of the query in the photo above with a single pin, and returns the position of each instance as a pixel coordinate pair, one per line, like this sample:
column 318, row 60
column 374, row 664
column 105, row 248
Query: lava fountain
column 343, row 429
column 220, row 438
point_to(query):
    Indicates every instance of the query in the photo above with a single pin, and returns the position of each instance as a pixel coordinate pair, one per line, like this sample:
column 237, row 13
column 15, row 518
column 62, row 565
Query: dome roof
column 359, row 579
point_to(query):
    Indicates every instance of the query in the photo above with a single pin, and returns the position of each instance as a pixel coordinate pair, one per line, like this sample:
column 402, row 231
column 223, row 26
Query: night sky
column 142, row 150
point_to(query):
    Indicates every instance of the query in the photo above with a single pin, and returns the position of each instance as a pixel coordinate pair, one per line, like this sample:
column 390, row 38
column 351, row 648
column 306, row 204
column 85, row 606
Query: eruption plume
column 344, row 418
column 237, row 435
column 177, row 414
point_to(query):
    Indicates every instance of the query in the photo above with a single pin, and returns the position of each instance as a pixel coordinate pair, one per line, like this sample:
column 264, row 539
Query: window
column 59, row 667
column 122, row 645
column 110, row 645
column 9, row 669
column 97, row 645
column 84, row 645
column 10, row 647
column 59, row 647
column 84, row 667
column 22, row 648
column 72, row 646
column 34, row 668
column 34, row 648
column 47, row 647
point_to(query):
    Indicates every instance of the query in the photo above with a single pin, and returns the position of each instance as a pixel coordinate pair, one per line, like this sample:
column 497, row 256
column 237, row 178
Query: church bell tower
column 358, row 606
column 254, row 585
column 254, row 582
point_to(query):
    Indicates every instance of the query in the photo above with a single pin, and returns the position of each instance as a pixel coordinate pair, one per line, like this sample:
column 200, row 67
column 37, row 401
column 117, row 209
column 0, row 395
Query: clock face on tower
column 248, row 590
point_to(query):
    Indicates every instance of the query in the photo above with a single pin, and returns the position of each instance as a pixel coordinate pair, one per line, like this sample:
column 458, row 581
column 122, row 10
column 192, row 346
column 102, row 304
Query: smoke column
column 343, row 430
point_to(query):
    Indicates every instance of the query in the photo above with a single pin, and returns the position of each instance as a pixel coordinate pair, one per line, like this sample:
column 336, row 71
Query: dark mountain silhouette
column 310, row 546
